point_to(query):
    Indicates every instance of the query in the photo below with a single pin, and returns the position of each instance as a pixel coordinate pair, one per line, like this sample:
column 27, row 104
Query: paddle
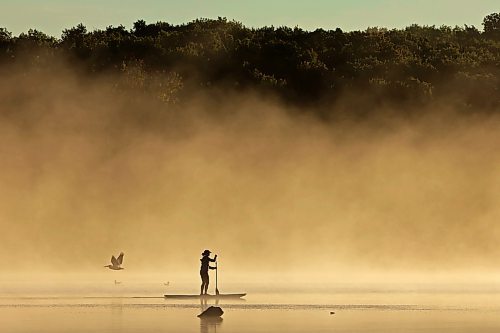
column 216, row 289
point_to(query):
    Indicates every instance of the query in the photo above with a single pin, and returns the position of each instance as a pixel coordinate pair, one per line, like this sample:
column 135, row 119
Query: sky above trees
column 52, row 16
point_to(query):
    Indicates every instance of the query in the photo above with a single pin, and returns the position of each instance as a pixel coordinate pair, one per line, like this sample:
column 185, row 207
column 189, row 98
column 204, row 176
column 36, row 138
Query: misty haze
column 345, row 180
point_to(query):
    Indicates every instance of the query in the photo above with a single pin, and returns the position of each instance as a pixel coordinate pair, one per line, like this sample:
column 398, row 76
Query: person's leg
column 207, row 282
column 202, row 284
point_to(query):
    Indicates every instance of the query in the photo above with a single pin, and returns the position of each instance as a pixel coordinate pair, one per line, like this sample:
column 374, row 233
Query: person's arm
column 212, row 267
column 214, row 259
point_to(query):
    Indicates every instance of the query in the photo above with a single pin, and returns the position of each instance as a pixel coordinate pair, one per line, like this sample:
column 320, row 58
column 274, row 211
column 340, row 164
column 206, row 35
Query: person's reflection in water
column 203, row 304
column 210, row 325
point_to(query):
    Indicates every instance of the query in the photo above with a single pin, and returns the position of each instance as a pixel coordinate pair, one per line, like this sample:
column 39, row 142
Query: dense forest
column 374, row 68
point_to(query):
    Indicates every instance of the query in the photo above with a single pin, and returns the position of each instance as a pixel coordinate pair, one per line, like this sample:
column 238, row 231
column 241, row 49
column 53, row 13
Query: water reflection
column 204, row 304
column 210, row 325
column 117, row 314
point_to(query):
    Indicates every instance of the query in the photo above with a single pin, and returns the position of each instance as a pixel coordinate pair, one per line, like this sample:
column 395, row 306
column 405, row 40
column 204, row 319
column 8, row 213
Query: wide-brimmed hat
column 206, row 253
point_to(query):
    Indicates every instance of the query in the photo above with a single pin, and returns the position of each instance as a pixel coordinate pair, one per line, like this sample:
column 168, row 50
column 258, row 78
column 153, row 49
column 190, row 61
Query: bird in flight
column 116, row 262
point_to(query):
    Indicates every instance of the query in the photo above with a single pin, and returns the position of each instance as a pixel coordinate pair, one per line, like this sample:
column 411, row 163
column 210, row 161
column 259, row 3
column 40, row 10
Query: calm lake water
column 138, row 308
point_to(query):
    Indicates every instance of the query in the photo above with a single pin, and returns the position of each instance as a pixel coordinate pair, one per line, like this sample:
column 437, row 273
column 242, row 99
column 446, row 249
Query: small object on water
column 166, row 283
column 118, row 282
column 212, row 311
column 332, row 312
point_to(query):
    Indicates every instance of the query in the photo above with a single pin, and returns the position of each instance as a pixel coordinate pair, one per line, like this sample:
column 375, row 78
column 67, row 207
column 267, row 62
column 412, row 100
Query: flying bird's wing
column 114, row 261
column 120, row 259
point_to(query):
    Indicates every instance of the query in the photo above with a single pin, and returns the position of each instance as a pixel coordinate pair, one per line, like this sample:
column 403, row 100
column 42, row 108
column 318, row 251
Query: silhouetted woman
column 205, row 266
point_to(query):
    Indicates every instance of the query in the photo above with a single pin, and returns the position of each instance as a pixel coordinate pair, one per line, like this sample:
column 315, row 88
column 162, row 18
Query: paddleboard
column 220, row 296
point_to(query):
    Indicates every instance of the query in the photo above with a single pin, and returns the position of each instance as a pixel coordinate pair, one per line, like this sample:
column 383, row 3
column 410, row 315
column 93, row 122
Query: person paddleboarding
column 203, row 296
column 205, row 266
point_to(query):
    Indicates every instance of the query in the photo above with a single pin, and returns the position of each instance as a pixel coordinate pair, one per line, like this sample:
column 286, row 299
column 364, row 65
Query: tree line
column 375, row 67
